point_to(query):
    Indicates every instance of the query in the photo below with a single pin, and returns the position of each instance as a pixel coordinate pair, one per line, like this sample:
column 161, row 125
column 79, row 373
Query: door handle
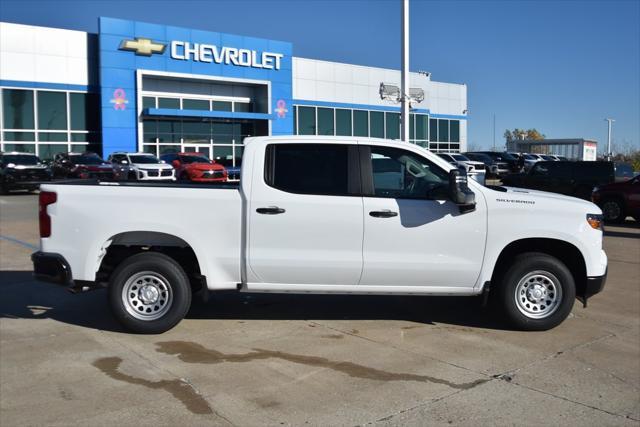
column 271, row 210
column 383, row 214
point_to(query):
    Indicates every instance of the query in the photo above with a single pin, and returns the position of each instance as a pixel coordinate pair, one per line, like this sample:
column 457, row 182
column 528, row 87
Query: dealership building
column 136, row 86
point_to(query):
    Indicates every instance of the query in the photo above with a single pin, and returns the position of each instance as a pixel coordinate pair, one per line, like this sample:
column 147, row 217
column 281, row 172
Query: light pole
column 494, row 131
column 609, row 153
column 404, row 85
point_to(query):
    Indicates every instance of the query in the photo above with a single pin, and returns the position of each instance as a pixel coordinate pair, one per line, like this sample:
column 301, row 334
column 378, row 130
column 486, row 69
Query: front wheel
column 613, row 210
column 537, row 292
column 149, row 293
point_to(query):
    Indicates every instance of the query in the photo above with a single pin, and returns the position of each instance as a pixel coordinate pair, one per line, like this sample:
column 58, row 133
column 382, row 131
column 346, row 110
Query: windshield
column 194, row 159
column 507, row 156
column 460, row 157
column 89, row 159
column 20, row 159
column 501, row 156
column 546, row 157
column 530, row 157
column 143, row 158
column 480, row 157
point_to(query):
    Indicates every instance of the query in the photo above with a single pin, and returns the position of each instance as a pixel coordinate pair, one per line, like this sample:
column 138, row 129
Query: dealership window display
column 375, row 124
column 46, row 122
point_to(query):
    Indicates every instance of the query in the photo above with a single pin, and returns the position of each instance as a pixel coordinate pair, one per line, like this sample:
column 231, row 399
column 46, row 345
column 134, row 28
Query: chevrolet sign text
column 228, row 55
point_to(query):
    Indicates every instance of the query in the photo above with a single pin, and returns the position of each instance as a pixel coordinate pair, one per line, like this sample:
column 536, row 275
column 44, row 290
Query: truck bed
column 88, row 215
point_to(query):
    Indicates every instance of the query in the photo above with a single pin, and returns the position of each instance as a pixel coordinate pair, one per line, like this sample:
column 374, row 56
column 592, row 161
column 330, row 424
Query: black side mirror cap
column 459, row 191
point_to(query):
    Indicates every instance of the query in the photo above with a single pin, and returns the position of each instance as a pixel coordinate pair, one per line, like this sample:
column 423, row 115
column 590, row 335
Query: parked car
column 503, row 157
column 530, row 160
column 195, row 167
column 571, row 178
column 81, row 165
column 618, row 200
column 295, row 224
column 22, row 171
column 141, row 167
column 494, row 168
column 558, row 158
column 475, row 170
column 233, row 172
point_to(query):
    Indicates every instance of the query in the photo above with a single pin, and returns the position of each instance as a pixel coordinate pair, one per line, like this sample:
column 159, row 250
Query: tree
column 517, row 133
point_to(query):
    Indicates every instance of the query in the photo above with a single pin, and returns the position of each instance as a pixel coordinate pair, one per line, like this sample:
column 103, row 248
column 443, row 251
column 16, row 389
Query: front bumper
column 51, row 267
column 594, row 285
column 208, row 179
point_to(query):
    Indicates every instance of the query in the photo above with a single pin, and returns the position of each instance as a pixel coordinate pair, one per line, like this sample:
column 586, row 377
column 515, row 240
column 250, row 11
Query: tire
column 149, row 293
column 132, row 176
column 613, row 210
column 537, row 292
column 184, row 177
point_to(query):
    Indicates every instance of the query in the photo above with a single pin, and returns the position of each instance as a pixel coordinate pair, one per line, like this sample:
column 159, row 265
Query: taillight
column 46, row 198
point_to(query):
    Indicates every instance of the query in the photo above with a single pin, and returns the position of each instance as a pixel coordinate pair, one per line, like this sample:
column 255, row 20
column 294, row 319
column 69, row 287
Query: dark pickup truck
column 565, row 177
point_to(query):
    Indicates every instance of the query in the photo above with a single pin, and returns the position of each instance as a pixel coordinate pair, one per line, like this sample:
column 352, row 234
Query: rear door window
column 321, row 169
column 558, row 170
column 593, row 170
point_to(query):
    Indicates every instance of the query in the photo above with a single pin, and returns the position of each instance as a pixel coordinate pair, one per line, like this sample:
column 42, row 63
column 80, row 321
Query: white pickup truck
column 322, row 215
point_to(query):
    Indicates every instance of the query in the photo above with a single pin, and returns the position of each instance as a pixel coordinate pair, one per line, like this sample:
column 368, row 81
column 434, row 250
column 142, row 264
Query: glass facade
column 218, row 139
column 187, row 103
column 325, row 121
column 434, row 134
column 47, row 122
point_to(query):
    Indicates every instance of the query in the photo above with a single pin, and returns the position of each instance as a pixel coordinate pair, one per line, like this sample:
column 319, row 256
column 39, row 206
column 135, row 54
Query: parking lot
column 264, row 359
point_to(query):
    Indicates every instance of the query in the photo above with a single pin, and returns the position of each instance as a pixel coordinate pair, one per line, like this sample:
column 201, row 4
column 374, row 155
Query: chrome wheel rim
column 147, row 295
column 538, row 294
column 611, row 210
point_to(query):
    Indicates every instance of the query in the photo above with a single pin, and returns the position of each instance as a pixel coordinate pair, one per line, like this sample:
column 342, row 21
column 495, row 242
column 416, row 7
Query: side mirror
column 175, row 164
column 459, row 191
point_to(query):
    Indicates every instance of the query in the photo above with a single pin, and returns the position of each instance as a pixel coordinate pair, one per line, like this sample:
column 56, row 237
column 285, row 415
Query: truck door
column 305, row 215
column 413, row 235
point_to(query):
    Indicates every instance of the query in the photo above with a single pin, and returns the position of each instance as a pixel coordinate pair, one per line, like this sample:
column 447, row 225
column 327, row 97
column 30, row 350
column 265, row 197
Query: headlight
column 595, row 221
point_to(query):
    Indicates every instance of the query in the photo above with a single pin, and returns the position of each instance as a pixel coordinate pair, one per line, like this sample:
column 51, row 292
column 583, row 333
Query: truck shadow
column 21, row 297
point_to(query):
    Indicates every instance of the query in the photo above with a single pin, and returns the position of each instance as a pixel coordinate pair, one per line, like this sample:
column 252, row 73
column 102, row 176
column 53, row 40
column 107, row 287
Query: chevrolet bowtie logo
column 142, row 46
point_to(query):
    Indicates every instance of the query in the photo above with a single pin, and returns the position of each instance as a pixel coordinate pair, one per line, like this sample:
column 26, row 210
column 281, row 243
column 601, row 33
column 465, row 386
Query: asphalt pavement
column 262, row 359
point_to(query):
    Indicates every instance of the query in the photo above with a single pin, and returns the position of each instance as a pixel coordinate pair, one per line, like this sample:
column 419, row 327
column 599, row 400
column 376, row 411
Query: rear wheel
column 613, row 210
column 149, row 293
column 537, row 292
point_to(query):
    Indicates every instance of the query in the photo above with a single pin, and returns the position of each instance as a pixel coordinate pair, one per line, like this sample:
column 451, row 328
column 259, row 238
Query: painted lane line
column 19, row 242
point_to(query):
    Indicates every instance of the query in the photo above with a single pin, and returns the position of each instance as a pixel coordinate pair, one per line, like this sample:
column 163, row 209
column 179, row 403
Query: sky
column 561, row 67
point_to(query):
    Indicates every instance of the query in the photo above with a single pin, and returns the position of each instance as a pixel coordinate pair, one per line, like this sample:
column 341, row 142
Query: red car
column 195, row 167
column 618, row 200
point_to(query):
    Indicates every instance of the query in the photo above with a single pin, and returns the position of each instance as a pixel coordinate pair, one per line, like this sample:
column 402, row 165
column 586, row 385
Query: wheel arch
column 566, row 252
column 126, row 244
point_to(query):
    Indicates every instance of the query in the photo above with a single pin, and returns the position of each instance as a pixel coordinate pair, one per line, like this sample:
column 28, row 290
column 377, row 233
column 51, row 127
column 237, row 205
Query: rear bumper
column 51, row 267
column 594, row 285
